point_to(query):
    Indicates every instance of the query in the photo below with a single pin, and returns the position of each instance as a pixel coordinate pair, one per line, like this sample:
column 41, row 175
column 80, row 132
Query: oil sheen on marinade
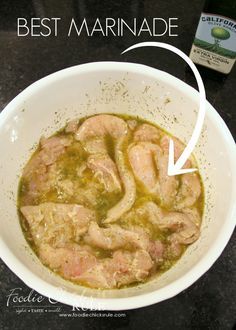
column 98, row 208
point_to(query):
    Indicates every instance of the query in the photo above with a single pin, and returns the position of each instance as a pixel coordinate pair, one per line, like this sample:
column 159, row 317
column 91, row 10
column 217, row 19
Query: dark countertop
column 210, row 302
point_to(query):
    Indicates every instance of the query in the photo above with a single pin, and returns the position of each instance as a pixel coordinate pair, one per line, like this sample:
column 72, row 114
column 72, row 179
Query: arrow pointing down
column 177, row 168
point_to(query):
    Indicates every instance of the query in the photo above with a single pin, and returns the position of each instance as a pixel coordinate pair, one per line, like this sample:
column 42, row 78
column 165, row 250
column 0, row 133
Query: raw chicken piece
column 156, row 250
column 141, row 158
column 56, row 142
column 96, row 146
column 97, row 277
column 36, row 183
column 66, row 186
column 70, row 260
column 123, row 268
column 152, row 210
column 115, row 237
column 132, row 124
column 72, row 126
column 106, row 171
column 193, row 214
column 190, row 186
column 190, row 190
column 178, row 149
column 79, row 264
column 52, row 148
column 168, row 184
column 100, row 126
column 57, row 224
column 147, row 133
column 149, row 165
column 129, row 185
column 36, row 171
column 185, row 230
column 131, row 267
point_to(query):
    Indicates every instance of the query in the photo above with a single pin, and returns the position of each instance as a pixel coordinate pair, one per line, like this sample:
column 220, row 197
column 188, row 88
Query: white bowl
column 128, row 88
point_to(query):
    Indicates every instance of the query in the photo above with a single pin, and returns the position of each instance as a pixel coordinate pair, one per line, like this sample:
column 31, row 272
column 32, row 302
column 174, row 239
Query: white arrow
column 176, row 168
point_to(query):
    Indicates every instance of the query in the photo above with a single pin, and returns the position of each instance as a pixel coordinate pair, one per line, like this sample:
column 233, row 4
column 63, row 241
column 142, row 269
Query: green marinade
column 67, row 165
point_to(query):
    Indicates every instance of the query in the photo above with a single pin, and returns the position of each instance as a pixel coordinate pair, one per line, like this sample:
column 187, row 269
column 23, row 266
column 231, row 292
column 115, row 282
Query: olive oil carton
column 214, row 45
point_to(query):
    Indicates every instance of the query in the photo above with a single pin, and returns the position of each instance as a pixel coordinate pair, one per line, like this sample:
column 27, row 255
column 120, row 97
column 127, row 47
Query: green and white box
column 214, row 45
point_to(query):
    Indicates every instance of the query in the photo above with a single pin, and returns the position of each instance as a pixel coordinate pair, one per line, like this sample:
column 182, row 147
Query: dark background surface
column 210, row 302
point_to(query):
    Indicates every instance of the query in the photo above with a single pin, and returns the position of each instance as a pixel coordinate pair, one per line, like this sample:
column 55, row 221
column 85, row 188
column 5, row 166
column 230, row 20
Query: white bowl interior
column 127, row 89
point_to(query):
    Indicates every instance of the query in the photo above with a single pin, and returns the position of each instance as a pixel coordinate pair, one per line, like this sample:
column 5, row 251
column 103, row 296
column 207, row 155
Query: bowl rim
column 170, row 290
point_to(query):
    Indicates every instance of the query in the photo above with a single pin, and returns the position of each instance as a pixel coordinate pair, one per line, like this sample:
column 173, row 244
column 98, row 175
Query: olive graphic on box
column 218, row 34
